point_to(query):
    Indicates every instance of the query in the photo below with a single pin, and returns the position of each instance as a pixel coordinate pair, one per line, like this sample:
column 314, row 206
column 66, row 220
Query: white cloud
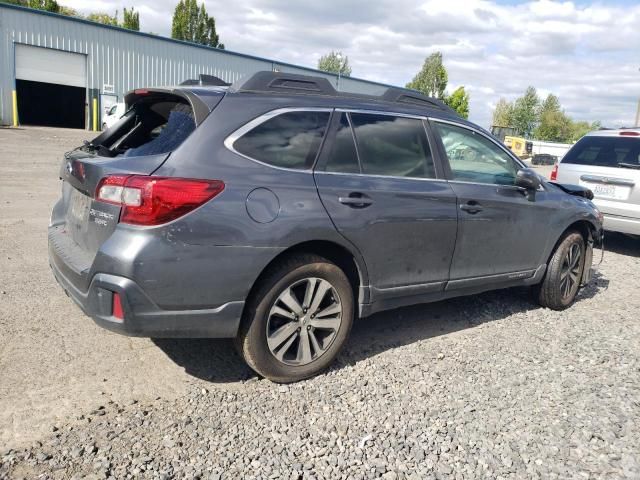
column 584, row 53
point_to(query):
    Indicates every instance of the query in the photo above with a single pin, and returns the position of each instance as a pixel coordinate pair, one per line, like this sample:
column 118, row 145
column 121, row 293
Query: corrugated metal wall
column 129, row 60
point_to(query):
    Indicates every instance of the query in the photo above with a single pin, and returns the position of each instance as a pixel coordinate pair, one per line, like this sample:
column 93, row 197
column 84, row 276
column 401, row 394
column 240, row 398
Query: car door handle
column 356, row 200
column 471, row 207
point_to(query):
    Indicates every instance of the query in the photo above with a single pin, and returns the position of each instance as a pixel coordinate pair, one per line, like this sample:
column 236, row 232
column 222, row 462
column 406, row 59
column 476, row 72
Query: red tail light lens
column 554, row 172
column 155, row 200
column 116, row 308
column 630, row 134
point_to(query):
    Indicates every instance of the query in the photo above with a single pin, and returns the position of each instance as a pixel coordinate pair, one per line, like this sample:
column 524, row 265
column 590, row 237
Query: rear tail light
column 116, row 308
column 554, row 172
column 155, row 200
column 630, row 134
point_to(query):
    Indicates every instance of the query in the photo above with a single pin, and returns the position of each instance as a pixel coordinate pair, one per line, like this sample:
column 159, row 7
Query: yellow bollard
column 95, row 114
column 15, row 108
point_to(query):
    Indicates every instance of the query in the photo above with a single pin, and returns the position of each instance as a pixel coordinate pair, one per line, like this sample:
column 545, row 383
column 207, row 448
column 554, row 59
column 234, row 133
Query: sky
column 586, row 53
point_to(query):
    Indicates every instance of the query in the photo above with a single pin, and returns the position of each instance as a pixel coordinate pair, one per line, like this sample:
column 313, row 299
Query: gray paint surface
column 412, row 244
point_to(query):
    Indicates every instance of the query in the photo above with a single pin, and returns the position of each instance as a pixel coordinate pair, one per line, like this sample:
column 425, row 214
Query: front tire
column 564, row 273
column 297, row 320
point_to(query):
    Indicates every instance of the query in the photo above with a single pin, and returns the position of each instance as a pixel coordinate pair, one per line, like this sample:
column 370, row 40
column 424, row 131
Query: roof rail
column 278, row 82
column 207, row 80
column 403, row 95
column 285, row 82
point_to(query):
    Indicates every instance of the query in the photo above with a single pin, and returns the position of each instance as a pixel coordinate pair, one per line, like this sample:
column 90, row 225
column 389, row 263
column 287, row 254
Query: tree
column 47, row 5
column 553, row 124
column 131, row 19
column 193, row 24
column 69, row 12
column 459, row 101
column 580, row 129
column 335, row 62
column 104, row 18
column 525, row 112
column 503, row 114
column 432, row 78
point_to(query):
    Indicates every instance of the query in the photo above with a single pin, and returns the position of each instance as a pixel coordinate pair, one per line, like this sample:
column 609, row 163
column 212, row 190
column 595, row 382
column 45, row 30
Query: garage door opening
column 50, row 105
column 51, row 86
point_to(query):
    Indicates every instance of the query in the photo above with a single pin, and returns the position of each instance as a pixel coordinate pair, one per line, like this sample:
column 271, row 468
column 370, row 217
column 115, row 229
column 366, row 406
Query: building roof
column 181, row 42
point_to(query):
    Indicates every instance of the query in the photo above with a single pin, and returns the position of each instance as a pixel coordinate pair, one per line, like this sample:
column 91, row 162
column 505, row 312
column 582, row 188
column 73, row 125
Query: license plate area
column 608, row 191
column 79, row 205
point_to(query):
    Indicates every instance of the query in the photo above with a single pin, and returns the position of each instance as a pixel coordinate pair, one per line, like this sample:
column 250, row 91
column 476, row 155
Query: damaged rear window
column 154, row 124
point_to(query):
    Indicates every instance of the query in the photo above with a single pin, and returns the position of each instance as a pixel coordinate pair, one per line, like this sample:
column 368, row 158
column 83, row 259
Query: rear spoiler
column 200, row 108
column 576, row 190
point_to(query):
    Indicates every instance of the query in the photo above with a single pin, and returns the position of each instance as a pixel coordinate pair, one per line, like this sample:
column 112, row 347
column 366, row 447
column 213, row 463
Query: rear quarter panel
column 220, row 242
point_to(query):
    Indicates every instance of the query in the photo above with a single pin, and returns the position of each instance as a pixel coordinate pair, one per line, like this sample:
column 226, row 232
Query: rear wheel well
column 333, row 252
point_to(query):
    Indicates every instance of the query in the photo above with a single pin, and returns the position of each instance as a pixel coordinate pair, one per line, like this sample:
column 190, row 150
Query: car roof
column 625, row 132
column 295, row 87
column 309, row 91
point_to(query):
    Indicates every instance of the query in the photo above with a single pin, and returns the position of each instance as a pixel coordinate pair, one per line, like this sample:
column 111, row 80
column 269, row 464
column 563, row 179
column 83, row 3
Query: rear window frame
column 231, row 139
column 569, row 158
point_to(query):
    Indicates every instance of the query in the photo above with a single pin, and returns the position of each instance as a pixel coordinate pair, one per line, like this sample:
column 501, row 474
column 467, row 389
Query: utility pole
column 339, row 58
column 638, row 112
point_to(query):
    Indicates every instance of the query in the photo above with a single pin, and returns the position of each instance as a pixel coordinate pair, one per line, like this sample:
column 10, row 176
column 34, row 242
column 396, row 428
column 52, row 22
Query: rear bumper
column 616, row 223
column 142, row 317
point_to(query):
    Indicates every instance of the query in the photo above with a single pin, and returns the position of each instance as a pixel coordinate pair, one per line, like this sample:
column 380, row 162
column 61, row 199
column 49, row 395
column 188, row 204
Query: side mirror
column 528, row 179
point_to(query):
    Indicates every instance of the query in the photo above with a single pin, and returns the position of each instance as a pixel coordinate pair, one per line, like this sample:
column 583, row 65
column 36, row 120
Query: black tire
column 562, row 279
column 295, row 273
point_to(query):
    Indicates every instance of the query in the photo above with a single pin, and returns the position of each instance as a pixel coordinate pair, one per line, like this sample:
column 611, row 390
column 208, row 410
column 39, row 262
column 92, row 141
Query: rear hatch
column 156, row 122
column 609, row 165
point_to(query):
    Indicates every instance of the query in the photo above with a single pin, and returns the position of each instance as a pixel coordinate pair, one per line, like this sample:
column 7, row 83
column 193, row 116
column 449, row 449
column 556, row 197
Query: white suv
column 608, row 163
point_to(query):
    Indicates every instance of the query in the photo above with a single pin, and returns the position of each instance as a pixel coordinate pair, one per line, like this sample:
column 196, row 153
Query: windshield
column 619, row 152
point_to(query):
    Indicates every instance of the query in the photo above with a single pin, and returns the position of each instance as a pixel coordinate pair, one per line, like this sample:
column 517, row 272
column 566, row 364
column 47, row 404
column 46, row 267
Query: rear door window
column 289, row 140
column 605, row 152
column 392, row 146
column 343, row 157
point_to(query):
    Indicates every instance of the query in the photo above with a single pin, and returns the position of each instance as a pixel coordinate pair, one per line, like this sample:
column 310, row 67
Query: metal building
column 64, row 71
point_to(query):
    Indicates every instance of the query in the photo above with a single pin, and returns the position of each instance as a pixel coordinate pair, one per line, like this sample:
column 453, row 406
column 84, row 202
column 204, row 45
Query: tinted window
column 475, row 158
column 290, row 140
column 605, row 152
column 394, row 146
column 343, row 156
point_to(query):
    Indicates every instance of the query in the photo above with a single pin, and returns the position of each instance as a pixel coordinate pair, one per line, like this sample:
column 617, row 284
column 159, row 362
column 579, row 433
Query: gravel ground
column 488, row 386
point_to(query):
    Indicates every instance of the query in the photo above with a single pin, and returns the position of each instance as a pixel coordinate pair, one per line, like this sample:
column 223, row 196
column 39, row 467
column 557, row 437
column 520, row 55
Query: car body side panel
column 509, row 234
column 224, row 222
column 406, row 235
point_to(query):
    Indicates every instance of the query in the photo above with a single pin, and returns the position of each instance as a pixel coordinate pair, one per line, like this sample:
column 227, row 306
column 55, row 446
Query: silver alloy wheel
column 304, row 321
column 570, row 272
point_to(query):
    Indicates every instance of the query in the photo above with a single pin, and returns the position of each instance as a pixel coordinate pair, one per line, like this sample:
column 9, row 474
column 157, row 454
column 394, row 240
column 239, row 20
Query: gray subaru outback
column 276, row 210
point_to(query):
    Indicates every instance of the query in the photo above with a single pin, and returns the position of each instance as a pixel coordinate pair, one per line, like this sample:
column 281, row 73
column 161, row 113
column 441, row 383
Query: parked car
column 277, row 210
column 112, row 115
column 608, row 163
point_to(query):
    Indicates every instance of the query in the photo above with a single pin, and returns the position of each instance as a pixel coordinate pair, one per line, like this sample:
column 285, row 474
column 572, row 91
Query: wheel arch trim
column 334, row 251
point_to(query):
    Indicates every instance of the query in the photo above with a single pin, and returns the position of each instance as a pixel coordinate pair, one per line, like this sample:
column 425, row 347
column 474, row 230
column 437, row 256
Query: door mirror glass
column 527, row 178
